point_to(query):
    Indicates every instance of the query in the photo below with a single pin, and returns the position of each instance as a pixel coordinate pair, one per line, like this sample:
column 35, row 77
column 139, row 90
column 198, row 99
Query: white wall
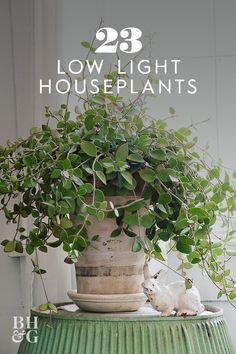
column 16, row 102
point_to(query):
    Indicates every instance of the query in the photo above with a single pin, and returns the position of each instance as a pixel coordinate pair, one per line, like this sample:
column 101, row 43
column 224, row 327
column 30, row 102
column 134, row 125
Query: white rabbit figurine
column 174, row 296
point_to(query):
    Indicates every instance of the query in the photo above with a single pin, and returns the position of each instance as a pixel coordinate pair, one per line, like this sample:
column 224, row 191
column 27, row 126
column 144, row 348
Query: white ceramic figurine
column 174, row 296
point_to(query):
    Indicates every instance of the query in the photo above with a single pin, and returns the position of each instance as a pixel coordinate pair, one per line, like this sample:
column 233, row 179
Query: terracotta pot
column 109, row 266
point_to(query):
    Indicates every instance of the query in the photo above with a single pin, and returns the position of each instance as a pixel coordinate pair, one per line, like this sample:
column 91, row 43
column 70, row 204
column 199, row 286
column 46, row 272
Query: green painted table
column 141, row 332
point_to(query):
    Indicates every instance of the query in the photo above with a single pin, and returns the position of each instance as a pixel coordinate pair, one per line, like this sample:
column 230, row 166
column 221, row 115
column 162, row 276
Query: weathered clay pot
column 108, row 265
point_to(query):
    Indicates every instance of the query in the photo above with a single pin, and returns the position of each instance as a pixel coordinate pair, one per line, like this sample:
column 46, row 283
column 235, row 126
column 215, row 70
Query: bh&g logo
column 27, row 328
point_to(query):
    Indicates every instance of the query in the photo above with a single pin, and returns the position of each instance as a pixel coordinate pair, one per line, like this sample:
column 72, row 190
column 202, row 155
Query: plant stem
column 41, row 277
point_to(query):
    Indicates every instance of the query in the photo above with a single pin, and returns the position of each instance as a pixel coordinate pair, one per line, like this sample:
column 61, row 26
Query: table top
column 146, row 312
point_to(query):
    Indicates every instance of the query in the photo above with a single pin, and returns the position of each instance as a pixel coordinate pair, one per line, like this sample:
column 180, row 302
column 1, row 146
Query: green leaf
column 29, row 249
column 173, row 178
column 188, row 283
column 214, row 173
column 54, row 244
column 116, row 232
column 232, row 295
column 64, row 164
column 157, row 248
column 58, row 232
column 158, row 154
column 230, row 202
column 148, row 175
column 122, row 152
column 111, row 98
column 158, row 255
column 34, row 130
column 131, row 220
column 19, row 247
column 143, row 140
column 136, row 246
column 129, row 232
column 4, row 242
column 52, row 307
column 43, row 249
column 10, row 246
column 66, row 223
column 164, row 198
column 181, row 222
column 13, row 179
column 128, row 177
column 82, row 190
column 184, row 131
column 161, row 208
column 187, row 265
column 55, row 173
column 89, row 122
column 186, row 240
column 55, row 134
column 231, row 253
column 86, row 44
column 89, row 187
column 135, row 158
column 89, row 148
column 164, row 235
column 199, row 212
column 75, row 177
column 194, row 257
column 91, row 210
column 99, row 195
column 149, row 244
column 67, row 184
column 100, row 215
column 211, row 206
column 68, row 260
column 165, row 174
column 43, row 307
column 135, row 206
column 101, row 176
column 28, row 161
column 171, row 110
column 217, row 252
column 147, row 221
column 95, row 238
column 3, row 188
column 183, row 247
column 79, row 240
column 219, row 278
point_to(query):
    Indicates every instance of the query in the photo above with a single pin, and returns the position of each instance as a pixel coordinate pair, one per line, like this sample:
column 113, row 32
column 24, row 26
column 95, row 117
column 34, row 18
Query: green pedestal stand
column 141, row 332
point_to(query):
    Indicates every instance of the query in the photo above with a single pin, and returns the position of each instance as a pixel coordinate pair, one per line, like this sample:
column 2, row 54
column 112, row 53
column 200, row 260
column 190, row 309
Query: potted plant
column 107, row 184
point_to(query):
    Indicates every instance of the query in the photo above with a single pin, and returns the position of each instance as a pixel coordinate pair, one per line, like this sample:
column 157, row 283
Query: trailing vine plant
column 108, row 147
